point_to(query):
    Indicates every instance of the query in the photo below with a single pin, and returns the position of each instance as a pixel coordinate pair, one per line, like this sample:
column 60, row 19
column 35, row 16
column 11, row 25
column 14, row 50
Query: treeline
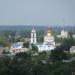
column 26, row 64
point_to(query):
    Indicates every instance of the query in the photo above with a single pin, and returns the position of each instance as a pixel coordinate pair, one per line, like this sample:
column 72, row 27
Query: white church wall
column 45, row 47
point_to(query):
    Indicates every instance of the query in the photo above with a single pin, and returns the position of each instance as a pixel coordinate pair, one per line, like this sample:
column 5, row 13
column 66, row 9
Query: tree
column 41, row 69
column 26, row 44
column 34, row 48
column 58, row 54
column 67, row 43
column 21, row 64
column 40, row 39
column 5, row 65
column 4, row 42
column 43, row 56
column 58, row 39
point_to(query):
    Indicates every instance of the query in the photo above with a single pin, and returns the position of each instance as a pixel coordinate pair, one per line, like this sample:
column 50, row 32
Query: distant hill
column 29, row 27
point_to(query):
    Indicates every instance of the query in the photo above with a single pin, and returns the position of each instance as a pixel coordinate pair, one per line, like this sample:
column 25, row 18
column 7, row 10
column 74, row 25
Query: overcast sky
column 34, row 12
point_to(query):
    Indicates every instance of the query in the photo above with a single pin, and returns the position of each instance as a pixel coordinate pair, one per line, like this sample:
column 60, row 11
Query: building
column 73, row 36
column 16, row 47
column 33, row 36
column 49, row 38
column 48, row 43
column 64, row 34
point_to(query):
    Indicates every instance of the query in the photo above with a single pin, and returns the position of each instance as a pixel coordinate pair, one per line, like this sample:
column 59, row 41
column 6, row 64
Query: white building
column 64, row 34
column 33, row 36
column 73, row 36
column 47, row 45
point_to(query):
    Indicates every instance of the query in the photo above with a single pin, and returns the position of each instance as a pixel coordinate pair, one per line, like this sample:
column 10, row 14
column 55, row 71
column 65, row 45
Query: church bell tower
column 33, row 36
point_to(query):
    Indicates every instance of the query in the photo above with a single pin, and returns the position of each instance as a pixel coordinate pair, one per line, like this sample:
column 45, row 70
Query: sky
column 37, row 12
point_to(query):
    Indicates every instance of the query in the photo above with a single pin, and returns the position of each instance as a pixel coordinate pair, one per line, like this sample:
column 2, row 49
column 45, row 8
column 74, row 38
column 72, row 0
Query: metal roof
column 16, row 45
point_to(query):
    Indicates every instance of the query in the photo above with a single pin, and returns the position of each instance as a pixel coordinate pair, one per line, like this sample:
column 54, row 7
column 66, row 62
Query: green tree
column 41, row 69
column 4, row 42
column 58, row 54
column 21, row 64
column 40, row 39
column 43, row 56
column 5, row 65
column 67, row 43
column 34, row 48
column 26, row 44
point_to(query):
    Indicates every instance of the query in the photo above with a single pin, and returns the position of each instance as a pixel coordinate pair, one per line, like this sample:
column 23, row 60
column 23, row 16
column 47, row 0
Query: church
column 48, row 43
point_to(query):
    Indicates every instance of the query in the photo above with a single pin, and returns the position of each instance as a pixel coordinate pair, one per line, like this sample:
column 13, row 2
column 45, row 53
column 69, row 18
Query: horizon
column 34, row 25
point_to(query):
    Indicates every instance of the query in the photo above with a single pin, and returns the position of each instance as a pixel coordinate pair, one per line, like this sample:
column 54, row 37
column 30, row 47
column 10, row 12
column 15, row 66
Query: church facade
column 48, row 43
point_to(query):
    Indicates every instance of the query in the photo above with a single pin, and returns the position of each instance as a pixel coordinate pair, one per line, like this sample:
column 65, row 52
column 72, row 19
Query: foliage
column 40, row 39
column 58, row 39
column 41, row 69
column 34, row 48
column 22, row 64
column 26, row 44
column 5, row 66
column 67, row 43
column 58, row 54
column 4, row 42
column 43, row 55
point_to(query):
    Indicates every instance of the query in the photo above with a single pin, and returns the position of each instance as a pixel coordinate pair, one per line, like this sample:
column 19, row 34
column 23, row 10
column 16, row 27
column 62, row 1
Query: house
column 16, row 47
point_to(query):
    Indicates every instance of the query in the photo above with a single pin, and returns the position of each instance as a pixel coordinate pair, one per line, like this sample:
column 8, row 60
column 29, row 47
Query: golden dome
column 49, row 32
